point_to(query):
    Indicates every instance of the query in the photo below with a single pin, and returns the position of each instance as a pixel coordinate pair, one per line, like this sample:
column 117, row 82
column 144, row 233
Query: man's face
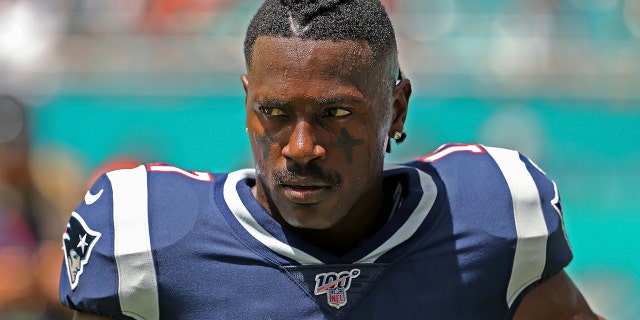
column 318, row 117
column 74, row 260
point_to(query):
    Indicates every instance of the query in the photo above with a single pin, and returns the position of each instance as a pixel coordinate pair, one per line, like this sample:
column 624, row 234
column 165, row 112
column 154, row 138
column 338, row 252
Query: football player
column 321, row 228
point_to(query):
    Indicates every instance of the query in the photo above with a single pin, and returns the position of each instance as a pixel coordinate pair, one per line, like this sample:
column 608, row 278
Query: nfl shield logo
column 337, row 297
column 335, row 285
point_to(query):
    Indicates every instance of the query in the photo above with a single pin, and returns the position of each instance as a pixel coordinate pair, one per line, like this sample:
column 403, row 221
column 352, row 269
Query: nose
column 303, row 146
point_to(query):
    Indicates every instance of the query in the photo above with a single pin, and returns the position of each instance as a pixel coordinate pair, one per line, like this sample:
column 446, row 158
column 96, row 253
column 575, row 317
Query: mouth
column 305, row 193
column 306, row 186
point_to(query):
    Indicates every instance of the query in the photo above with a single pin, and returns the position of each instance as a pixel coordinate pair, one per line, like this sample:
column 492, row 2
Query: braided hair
column 358, row 20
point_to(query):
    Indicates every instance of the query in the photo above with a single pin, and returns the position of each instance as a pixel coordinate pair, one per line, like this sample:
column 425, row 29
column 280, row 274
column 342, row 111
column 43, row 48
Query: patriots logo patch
column 78, row 241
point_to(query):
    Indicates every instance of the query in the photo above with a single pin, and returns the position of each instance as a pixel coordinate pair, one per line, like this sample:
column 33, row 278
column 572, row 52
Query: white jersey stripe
column 252, row 226
column 430, row 191
column 257, row 231
column 137, row 285
column 531, row 244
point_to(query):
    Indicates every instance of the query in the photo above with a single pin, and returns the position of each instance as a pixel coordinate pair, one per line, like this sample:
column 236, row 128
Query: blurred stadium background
column 111, row 83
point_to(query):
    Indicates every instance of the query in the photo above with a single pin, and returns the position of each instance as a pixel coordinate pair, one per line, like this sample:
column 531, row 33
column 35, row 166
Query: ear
column 245, row 82
column 402, row 93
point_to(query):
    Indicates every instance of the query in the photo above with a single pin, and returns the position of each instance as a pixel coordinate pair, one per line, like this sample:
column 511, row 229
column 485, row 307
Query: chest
column 436, row 280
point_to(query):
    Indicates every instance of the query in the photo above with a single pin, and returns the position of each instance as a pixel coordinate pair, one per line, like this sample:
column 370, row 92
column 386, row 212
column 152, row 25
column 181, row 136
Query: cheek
column 372, row 154
column 264, row 148
column 382, row 136
column 377, row 135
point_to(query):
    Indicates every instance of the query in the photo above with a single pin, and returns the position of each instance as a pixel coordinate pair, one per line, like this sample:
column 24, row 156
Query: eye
column 337, row 112
column 272, row 112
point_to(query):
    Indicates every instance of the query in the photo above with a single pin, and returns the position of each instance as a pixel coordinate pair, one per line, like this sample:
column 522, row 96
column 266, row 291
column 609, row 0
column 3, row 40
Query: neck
column 365, row 218
column 368, row 214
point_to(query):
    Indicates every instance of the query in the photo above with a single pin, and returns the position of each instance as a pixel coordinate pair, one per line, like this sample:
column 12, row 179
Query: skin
column 318, row 126
column 74, row 260
column 555, row 298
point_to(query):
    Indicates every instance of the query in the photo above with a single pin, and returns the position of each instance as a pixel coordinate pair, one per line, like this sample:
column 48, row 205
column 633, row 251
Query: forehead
column 285, row 62
column 271, row 50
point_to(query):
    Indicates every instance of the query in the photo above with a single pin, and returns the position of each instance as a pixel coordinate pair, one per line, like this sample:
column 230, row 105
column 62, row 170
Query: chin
column 313, row 224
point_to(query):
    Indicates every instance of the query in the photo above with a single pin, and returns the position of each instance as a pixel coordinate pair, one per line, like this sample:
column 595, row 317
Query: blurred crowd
column 31, row 222
column 486, row 48
column 37, row 194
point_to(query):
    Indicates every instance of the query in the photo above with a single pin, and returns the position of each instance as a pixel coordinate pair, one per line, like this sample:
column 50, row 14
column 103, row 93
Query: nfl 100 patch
column 78, row 241
column 338, row 286
column 335, row 286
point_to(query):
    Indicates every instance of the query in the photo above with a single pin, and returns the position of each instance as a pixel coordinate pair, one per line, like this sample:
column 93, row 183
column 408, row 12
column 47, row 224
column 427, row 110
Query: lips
column 305, row 192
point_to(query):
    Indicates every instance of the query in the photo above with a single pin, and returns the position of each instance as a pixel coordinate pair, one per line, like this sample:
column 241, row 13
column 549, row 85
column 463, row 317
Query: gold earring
column 397, row 135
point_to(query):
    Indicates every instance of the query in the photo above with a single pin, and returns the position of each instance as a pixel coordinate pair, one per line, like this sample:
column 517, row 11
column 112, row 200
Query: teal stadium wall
column 591, row 152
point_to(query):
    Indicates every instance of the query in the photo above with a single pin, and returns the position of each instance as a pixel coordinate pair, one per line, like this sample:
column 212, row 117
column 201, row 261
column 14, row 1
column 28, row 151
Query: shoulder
column 157, row 183
column 122, row 220
column 191, row 175
column 458, row 154
column 504, row 196
column 143, row 175
column 146, row 192
column 485, row 167
column 495, row 182
column 141, row 188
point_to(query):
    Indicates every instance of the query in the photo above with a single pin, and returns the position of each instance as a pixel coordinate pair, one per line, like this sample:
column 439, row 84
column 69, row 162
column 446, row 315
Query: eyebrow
column 339, row 100
column 271, row 102
column 320, row 101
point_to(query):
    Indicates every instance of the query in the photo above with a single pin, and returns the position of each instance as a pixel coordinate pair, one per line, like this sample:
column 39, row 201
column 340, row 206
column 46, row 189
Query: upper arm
column 554, row 298
column 88, row 279
column 87, row 316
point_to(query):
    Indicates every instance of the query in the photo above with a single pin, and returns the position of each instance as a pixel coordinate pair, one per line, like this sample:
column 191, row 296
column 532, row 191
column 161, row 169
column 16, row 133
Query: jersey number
column 448, row 149
column 196, row 175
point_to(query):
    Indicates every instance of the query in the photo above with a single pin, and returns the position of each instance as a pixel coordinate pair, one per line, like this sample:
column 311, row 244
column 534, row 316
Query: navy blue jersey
column 473, row 229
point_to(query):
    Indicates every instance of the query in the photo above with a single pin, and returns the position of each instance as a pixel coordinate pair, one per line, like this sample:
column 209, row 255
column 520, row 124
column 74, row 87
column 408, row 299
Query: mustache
column 310, row 171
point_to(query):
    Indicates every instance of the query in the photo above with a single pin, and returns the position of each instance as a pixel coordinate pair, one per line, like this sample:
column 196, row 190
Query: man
column 322, row 229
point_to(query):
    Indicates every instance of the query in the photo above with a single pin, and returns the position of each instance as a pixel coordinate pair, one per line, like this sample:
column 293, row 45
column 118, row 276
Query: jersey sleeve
column 502, row 192
column 108, row 267
column 559, row 252
column 88, row 279
column 541, row 248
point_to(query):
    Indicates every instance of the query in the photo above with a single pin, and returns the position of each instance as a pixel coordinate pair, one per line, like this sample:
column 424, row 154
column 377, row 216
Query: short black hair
column 358, row 20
